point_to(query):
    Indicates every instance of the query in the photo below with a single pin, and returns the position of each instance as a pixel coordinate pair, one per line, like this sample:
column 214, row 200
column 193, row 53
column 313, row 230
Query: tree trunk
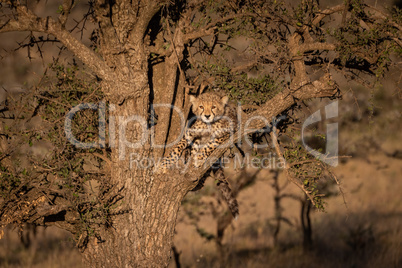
column 306, row 223
column 142, row 224
column 142, row 236
column 141, row 229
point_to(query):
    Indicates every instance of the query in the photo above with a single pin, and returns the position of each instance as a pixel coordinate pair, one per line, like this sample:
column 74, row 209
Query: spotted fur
column 214, row 124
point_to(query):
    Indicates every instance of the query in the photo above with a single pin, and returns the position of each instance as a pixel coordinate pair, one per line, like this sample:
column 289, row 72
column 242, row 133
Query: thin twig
column 274, row 137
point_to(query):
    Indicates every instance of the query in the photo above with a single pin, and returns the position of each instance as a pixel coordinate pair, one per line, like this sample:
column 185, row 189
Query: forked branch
column 27, row 21
column 324, row 87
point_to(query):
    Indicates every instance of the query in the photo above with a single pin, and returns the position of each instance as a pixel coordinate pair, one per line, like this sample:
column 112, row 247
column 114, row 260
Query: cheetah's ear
column 225, row 100
column 192, row 99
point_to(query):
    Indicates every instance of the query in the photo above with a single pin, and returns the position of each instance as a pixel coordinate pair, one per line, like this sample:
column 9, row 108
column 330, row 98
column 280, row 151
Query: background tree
column 267, row 55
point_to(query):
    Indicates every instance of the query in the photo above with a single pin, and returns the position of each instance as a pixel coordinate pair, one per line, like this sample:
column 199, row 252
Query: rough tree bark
column 141, row 229
column 141, row 235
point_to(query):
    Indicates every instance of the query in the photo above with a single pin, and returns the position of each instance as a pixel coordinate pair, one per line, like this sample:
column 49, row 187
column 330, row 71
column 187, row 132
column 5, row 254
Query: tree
column 146, row 54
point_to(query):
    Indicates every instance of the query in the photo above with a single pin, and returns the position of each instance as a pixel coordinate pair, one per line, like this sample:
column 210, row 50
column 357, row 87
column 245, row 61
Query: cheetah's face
column 209, row 107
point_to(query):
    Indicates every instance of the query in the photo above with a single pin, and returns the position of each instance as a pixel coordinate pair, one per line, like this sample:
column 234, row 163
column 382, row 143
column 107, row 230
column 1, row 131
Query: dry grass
column 50, row 247
column 365, row 233
column 368, row 233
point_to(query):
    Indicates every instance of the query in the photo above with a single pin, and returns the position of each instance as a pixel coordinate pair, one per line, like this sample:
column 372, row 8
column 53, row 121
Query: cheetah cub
column 215, row 122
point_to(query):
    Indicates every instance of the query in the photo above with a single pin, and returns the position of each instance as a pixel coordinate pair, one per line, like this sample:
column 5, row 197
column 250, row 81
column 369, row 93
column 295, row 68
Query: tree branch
column 210, row 27
column 149, row 9
column 315, row 46
column 324, row 87
column 198, row 34
column 327, row 12
column 28, row 21
column 67, row 5
column 290, row 177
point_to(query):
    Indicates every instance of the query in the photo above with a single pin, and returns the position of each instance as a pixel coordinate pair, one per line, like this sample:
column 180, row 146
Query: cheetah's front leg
column 204, row 151
column 176, row 152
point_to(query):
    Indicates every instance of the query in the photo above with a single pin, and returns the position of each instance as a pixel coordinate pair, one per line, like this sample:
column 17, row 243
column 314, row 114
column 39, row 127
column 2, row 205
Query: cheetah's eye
column 213, row 106
column 201, row 107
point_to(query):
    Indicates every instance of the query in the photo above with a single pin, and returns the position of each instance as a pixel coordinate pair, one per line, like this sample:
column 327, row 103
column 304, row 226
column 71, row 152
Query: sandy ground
column 366, row 231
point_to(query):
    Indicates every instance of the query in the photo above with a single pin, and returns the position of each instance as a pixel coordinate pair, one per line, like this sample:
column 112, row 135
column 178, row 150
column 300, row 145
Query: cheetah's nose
column 207, row 116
